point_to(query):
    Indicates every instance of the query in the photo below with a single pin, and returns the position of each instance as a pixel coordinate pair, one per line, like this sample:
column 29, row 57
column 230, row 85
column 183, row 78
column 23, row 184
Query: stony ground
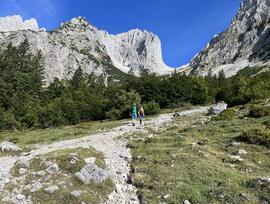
column 117, row 157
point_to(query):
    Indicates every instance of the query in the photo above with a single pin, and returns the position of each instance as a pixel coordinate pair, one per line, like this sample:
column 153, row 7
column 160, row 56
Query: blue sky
column 184, row 26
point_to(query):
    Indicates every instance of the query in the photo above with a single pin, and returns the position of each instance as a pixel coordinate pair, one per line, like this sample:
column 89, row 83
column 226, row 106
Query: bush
column 8, row 122
column 113, row 114
column 50, row 116
column 228, row 114
column 259, row 111
column 256, row 136
column 151, row 108
column 267, row 124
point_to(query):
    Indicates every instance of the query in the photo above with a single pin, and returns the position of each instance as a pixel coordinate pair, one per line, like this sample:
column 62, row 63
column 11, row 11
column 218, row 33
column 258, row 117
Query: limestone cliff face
column 245, row 43
column 77, row 43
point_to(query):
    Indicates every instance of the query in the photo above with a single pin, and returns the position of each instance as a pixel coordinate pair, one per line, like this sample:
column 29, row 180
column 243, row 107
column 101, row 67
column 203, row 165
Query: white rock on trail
column 9, row 147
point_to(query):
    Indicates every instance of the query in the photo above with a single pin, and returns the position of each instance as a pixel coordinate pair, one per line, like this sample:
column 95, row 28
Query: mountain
column 245, row 43
column 77, row 43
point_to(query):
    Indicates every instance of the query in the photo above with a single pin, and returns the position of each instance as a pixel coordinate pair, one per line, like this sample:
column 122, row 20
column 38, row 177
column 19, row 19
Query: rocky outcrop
column 244, row 43
column 16, row 23
column 77, row 43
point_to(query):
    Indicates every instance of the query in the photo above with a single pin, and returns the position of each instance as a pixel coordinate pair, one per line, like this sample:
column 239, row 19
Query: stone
column 242, row 152
column 9, row 147
column 22, row 171
column 91, row 172
column 217, row 108
column 236, row 144
column 41, row 173
column 76, row 193
column 20, row 197
column 187, row 202
column 90, row 160
column 51, row 189
column 52, row 169
column 244, row 196
column 264, row 181
column 235, row 157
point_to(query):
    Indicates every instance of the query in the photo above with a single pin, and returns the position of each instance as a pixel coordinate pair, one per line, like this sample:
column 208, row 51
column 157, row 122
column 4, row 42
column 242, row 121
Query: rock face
column 16, row 23
column 77, row 43
column 244, row 43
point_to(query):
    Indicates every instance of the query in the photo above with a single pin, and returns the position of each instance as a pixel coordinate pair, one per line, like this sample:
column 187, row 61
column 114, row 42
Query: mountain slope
column 244, row 43
column 77, row 43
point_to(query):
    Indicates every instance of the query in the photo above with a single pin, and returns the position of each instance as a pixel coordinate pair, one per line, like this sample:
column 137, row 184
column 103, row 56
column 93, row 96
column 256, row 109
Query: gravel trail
column 117, row 155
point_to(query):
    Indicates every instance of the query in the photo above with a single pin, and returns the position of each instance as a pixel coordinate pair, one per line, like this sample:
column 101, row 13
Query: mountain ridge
column 77, row 43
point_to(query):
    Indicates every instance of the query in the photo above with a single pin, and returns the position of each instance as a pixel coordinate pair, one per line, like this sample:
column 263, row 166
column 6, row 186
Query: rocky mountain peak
column 244, row 43
column 16, row 23
column 77, row 43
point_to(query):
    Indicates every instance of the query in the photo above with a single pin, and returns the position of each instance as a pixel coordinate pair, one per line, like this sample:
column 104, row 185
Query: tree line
column 26, row 103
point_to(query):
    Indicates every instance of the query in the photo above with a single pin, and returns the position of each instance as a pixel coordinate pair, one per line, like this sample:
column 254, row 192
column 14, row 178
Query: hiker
column 134, row 114
column 141, row 115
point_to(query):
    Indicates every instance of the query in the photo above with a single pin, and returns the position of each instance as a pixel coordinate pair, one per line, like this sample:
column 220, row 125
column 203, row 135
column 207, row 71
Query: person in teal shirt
column 134, row 114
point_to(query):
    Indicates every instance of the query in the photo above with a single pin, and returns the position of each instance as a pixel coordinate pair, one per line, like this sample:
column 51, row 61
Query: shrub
column 113, row 114
column 8, row 122
column 256, row 136
column 259, row 111
column 228, row 114
column 50, row 116
column 151, row 108
column 267, row 124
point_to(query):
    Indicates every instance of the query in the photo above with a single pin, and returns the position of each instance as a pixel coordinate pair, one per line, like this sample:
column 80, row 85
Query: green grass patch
column 189, row 161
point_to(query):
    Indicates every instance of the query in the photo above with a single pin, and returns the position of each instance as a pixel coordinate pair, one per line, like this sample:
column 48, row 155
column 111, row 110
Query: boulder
column 76, row 194
column 91, row 172
column 9, row 147
column 52, row 169
column 51, row 189
column 217, row 108
column 41, row 173
column 242, row 152
column 22, row 171
column 20, row 197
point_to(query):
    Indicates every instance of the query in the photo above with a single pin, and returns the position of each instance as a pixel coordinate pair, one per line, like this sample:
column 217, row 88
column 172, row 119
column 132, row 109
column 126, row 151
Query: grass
column 188, row 160
column 92, row 193
column 41, row 136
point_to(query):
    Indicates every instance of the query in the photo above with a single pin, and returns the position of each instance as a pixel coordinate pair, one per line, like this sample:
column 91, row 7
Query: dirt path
column 117, row 155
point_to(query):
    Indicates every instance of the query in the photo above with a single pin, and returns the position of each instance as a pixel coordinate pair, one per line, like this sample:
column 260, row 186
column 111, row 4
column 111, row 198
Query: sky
column 184, row 26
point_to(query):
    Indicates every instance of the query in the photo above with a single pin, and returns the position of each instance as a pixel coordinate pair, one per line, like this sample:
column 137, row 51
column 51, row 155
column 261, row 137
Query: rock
column 53, row 169
column 91, row 172
column 264, row 181
column 90, row 160
column 166, row 196
column 76, row 193
column 204, row 141
column 23, row 163
column 73, row 158
column 25, row 154
column 235, row 157
column 243, row 44
column 9, row 147
column 242, row 152
column 124, row 156
column 187, row 202
column 41, row 173
column 244, row 196
column 217, row 108
column 20, row 197
column 236, row 144
column 22, row 171
column 51, row 189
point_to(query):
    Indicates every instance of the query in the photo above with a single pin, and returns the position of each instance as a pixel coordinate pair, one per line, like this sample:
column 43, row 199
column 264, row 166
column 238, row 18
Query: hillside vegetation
column 26, row 103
